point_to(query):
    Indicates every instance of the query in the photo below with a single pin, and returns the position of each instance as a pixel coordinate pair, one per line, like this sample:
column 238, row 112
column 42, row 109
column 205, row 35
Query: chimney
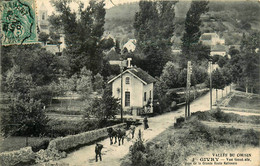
column 129, row 62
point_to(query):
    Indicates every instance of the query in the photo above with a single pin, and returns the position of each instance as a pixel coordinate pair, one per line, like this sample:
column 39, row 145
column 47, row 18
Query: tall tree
column 218, row 81
column 192, row 24
column 84, row 84
column 83, row 35
column 154, row 27
column 170, row 75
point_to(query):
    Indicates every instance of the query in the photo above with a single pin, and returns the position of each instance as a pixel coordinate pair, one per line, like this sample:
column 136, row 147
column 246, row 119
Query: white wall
column 135, row 88
column 147, row 89
column 221, row 53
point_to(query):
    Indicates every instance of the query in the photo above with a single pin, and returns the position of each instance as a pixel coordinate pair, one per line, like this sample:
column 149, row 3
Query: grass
column 76, row 105
column 220, row 116
column 244, row 102
column 175, row 145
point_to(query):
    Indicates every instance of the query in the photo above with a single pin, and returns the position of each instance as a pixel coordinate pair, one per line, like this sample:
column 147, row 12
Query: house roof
column 43, row 7
column 206, row 37
column 112, row 55
column 140, row 74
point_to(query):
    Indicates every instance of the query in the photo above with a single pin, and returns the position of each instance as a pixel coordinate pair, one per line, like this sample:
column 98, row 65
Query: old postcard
column 129, row 83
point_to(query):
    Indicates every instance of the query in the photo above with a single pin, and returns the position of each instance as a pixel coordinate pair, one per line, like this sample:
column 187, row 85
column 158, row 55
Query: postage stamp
column 19, row 24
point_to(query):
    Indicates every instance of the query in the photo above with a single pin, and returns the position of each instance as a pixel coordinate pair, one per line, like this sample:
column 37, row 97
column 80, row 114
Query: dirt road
column 112, row 154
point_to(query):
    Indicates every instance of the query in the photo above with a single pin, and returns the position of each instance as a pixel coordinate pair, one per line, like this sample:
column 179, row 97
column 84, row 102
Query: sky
column 74, row 5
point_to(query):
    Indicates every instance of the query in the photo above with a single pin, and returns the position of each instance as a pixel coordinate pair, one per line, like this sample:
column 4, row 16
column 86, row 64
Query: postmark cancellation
column 19, row 25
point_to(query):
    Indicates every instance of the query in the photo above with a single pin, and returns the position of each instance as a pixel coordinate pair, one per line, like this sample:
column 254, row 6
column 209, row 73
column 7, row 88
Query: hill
column 229, row 19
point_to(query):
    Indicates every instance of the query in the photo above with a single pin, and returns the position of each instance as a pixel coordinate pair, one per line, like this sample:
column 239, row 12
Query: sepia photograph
column 130, row 83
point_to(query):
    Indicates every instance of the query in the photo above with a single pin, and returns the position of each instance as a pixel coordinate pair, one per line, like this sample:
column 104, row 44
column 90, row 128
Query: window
column 127, row 80
column 43, row 16
column 150, row 96
column 127, row 99
column 144, row 96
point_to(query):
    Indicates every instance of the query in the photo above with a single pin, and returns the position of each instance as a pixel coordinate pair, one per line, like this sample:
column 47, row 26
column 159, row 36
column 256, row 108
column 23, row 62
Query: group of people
column 99, row 147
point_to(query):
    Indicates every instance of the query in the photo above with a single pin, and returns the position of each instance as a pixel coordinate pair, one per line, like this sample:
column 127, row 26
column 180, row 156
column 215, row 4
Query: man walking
column 132, row 130
column 146, row 126
column 98, row 149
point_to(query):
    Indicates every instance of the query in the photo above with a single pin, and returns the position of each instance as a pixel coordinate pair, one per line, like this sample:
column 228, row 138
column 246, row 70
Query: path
column 112, row 154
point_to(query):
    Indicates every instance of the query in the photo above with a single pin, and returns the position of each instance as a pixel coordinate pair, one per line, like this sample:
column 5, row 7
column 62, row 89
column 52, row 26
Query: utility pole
column 121, row 70
column 210, row 82
column 187, row 105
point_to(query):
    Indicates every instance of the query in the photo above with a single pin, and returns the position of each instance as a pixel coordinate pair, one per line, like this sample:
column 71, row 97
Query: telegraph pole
column 121, row 70
column 210, row 82
column 187, row 105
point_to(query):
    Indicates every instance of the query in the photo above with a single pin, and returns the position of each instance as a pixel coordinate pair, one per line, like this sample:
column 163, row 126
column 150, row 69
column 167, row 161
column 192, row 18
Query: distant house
column 53, row 48
column 107, row 35
column 113, row 57
column 219, row 50
column 211, row 39
column 176, row 50
column 130, row 45
column 137, row 89
column 43, row 22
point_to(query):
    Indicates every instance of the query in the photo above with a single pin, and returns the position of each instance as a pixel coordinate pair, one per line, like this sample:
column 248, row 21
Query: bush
column 138, row 156
column 24, row 118
column 42, row 145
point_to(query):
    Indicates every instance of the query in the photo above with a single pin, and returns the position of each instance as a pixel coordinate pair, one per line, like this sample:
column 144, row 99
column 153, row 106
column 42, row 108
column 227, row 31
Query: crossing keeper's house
column 137, row 90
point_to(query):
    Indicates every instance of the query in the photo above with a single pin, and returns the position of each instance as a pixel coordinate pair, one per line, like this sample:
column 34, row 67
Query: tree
column 105, row 107
column 98, row 83
column 42, row 94
column 250, row 71
column 199, row 74
column 111, row 105
column 154, row 42
column 245, row 64
column 222, row 61
column 32, row 60
column 233, row 51
column 218, row 81
column 226, row 71
column 182, row 77
column 23, row 118
column 170, row 75
column 84, row 83
column 117, row 47
column 192, row 24
column 18, row 84
column 43, row 37
column 250, row 43
column 82, row 36
column 107, row 44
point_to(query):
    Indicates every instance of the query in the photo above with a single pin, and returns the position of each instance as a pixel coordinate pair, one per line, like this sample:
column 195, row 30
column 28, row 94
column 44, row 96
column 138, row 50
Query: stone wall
column 72, row 141
column 55, row 149
column 24, row 155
